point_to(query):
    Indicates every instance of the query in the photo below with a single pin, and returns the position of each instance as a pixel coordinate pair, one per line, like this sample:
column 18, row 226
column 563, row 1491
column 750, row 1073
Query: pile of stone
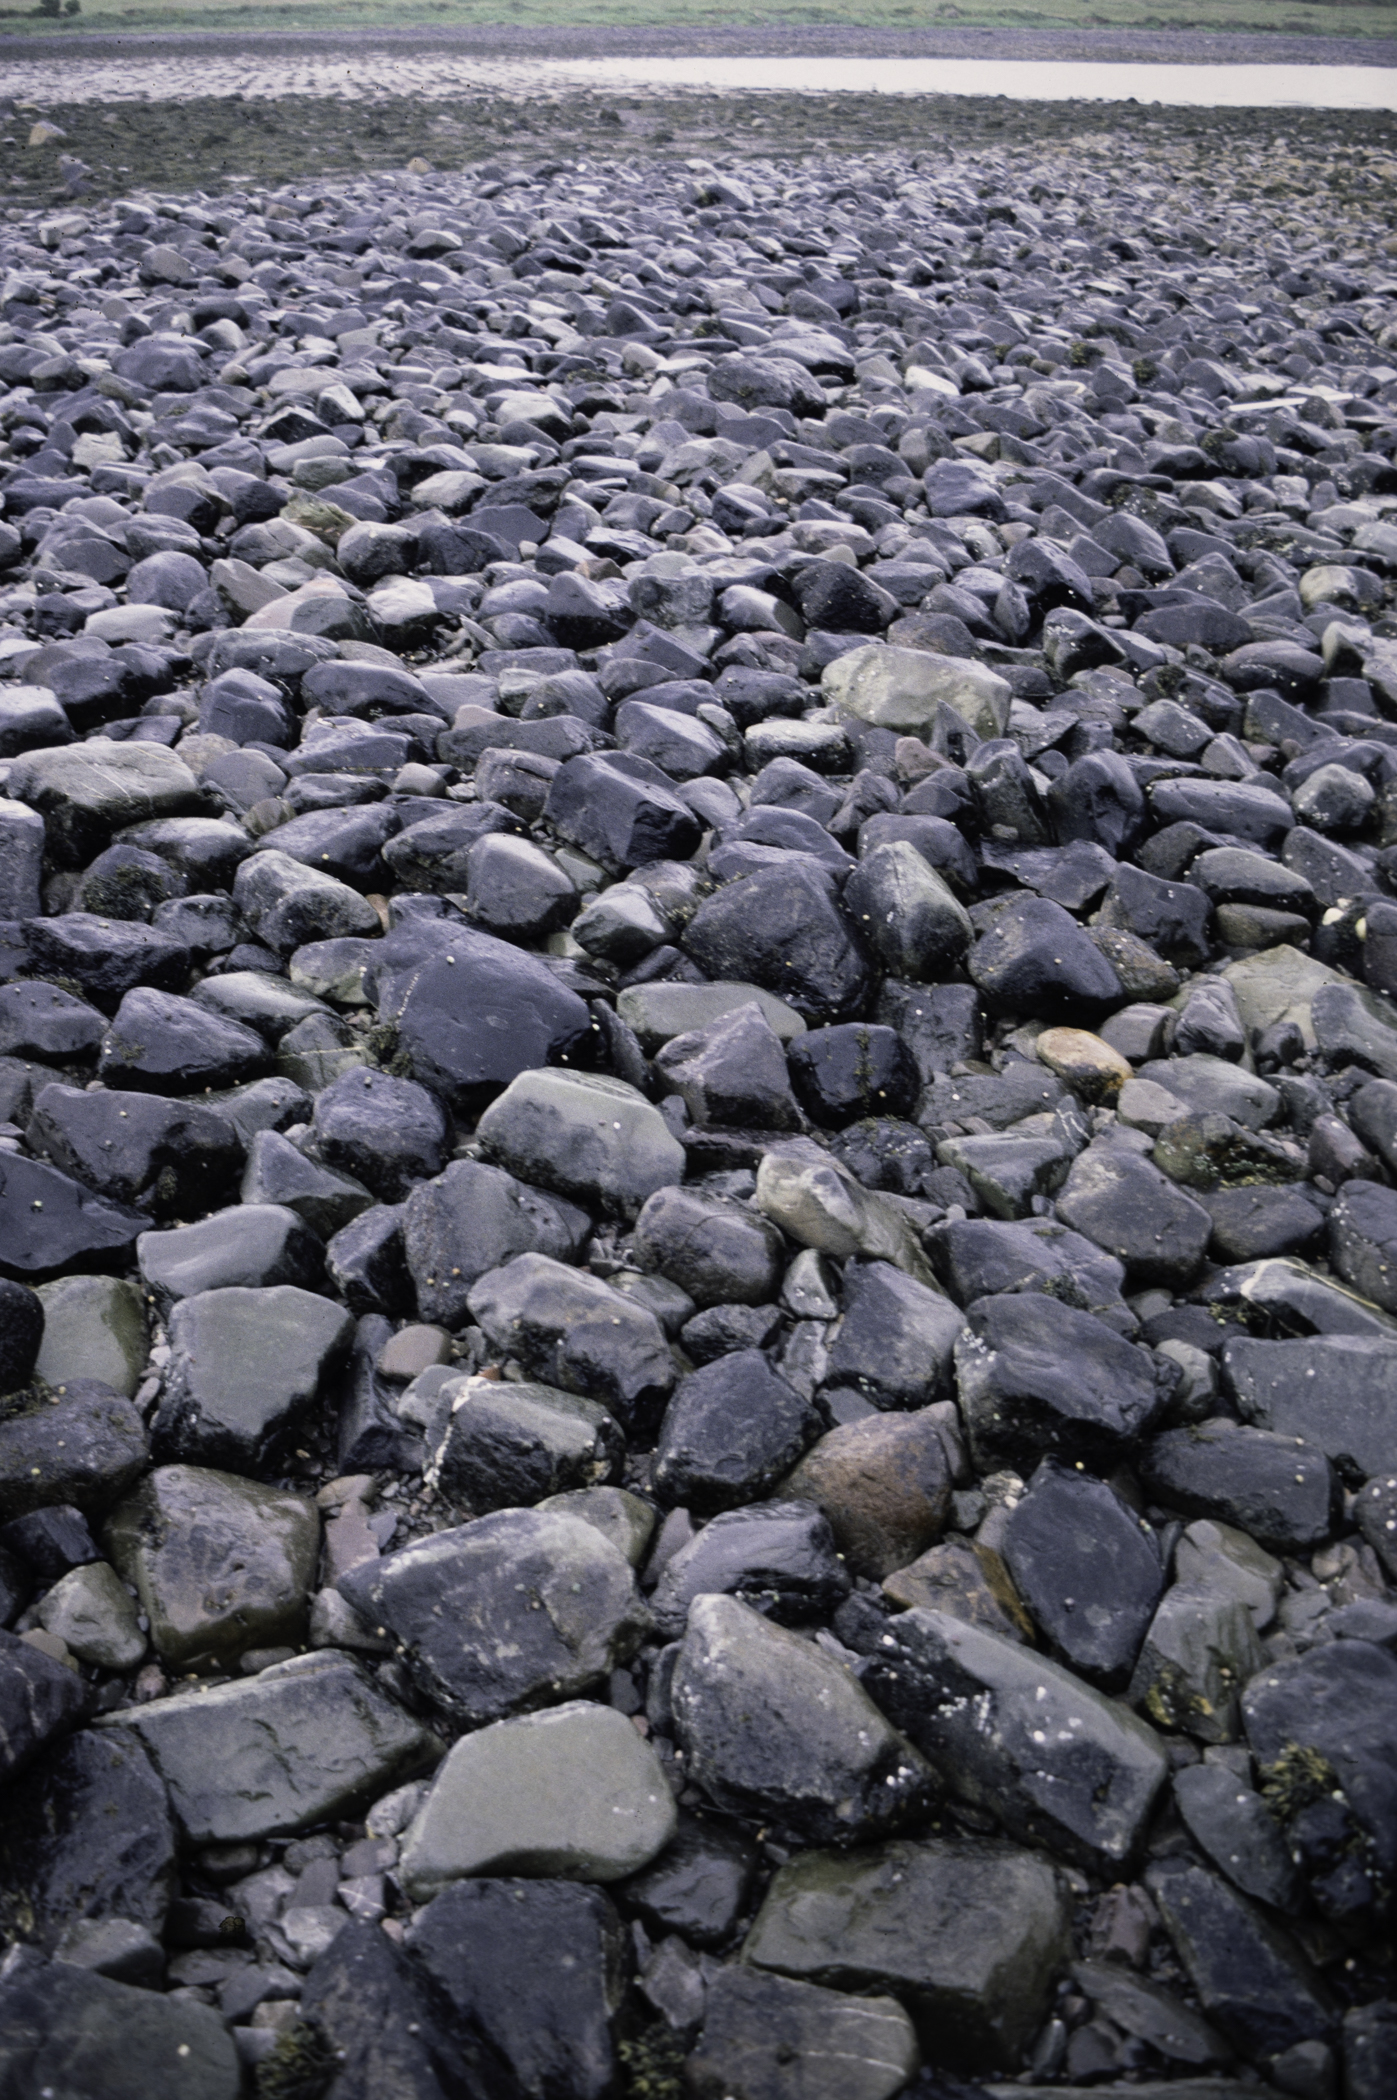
column 726, row 1419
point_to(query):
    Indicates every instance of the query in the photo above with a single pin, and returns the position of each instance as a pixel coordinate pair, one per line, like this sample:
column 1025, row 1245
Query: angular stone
column 1336, row 1703
column 660, row 1012
column 781, row 928
column 245, row 1368
column 251, row 1246
column 520, row 1609
column 81, row 1447
column 1276, row 1488
column 1132, row 1211
column 65, row 2030
column 568, row 1328
column 970, row 1937
column 730, row 1432
column 93, row 1330
column 51, row 1224
column 87, row 1837
column 770, row 2037
column 279, row 1175
column 220, row 1565
column 1087, row 1568
column 1239, row 1834
column 906, row 913
column 472, row 1219
column 307, row 1741
column 288, row 904
column 87, row 791
column 505, row 1445
column 572, row 1794
column 904, row 689
column 732, row 1072
column 39, row 1699
column 771, row 1727
column 491, row 1948
column 818, row 1203
column 1200, row 1649
column 1058, row 1763
column 1037, row 1378
column 896, row 1339
column 1252, row 1981
column 779, row 1557
column 717, row 1252
column 1336, row 1392
column 983, row 1258
column 584, row 1136
column 1035, row 958
column 90, row 1612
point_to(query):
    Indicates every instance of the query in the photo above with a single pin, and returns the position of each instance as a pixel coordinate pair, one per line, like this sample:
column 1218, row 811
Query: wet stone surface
column 698, row 1102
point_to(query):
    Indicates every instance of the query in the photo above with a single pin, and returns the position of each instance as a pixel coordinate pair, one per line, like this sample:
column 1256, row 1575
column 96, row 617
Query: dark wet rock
column 770, row 1726
column 42, row 1020
column 505, row 1444
column 1237, row 1831
column 80, row 1447
column 1087, row 1568
column 779, row 1557
column 51, row 1224
column 1059, row 1763
column 1252, row 1981
column 246, row 1367
column 730, row 1432
column 376, row 2028
column 21, row 1332
column 1037, row 1378
column 732, row 1072
column 716, row 1251
column 251, row 1245
column 306, row 1740
column 896, row 1339
column 471, row 1011
column 491, row 1948
column 568, row 1328
column 781, row 929
column 166, row 1156
column 220, row 1565
column 388, row 1133
column 1035, row 958
column 699, row 1885
column 1277, row 1488
column 462, row 1605
column 88, row 1837
column 66, row 2029
column 850, row 1071
column 760, row 2030
column 970, row 1937
column 1331, row 1391
column 1318, row 1727
column 984, row 1258
column 160, row 1043
column 1363, row 1240
column 39, row 1699
column 1132, row 1211
column 472, row 1219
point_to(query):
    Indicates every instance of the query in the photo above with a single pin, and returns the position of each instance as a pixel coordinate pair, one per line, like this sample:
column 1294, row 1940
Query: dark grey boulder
column 88, row 1837
column 730, row 1432
column 518, row 1610
column 1087, row 1568
column 492, row 1948
column 1037, row 1378
column 1275, row 1487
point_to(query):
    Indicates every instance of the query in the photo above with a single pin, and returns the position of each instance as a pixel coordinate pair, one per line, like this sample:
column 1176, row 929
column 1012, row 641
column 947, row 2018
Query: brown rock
column 955, row 1578
column 885, row 1486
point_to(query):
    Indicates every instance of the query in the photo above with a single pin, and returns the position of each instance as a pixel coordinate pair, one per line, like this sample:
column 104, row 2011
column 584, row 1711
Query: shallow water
column 371, row 71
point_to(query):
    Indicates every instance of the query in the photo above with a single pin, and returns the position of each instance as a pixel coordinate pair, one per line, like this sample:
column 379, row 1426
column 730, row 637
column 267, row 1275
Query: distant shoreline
column 1062, row 43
